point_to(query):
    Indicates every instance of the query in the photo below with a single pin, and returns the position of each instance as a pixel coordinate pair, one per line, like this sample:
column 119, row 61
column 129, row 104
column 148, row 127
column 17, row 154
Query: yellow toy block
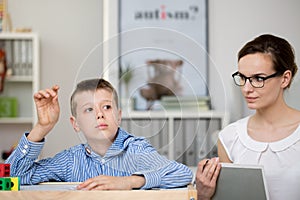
column 15, row 183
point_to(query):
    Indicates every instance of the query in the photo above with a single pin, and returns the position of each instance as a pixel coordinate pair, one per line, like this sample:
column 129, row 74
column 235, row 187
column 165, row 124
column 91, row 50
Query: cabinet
column 183, row 136
column 22, row 58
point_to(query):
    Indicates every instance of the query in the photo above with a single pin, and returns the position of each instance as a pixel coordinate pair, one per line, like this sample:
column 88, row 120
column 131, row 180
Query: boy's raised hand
column 48, row 110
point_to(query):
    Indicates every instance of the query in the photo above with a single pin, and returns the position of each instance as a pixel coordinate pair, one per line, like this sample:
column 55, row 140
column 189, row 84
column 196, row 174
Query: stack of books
column 19, row 56
column 186, row 102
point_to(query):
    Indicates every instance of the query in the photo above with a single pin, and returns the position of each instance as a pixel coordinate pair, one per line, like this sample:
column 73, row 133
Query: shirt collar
column 120, row 144
column 262, row 146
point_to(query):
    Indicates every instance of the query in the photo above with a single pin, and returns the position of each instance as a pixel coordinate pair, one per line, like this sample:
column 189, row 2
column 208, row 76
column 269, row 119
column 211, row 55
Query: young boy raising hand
column 112, row 159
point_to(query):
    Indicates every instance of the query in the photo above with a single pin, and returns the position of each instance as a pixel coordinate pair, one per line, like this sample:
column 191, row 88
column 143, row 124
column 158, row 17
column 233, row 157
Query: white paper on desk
column 63, row 186
column 52, row 186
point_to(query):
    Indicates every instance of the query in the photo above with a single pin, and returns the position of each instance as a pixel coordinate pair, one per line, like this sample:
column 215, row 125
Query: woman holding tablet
column 271, row 136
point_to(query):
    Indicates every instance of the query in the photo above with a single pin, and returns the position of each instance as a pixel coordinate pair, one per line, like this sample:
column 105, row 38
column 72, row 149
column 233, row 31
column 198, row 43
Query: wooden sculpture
column 163, row 82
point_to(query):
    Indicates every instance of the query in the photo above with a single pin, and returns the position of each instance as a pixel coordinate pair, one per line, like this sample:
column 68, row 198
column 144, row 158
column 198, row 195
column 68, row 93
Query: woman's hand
column 206, row 177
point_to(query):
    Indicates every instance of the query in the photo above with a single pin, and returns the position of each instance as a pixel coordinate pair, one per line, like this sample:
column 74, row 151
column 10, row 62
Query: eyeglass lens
column 240, row 80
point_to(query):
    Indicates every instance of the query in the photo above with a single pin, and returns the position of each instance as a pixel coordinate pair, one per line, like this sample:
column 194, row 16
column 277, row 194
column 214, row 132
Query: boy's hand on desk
column 112, row 183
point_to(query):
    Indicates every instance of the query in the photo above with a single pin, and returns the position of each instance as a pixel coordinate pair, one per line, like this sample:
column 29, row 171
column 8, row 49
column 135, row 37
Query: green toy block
column 5, row 183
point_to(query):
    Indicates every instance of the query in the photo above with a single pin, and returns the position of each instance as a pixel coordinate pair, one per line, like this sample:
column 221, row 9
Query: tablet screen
column 236, row 182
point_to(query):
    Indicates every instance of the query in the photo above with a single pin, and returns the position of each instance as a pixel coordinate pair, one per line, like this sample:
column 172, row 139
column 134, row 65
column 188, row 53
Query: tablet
column 236, row 182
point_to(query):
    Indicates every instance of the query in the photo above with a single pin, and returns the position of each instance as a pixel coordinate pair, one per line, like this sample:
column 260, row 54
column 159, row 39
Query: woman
column 271, row 136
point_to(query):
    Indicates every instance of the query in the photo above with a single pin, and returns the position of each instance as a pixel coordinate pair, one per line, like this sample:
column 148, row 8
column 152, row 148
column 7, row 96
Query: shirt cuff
column 29, row 149
column 152, row 179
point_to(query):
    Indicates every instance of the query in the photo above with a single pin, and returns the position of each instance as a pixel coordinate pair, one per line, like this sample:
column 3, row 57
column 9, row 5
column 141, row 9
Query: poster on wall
column 163, row 53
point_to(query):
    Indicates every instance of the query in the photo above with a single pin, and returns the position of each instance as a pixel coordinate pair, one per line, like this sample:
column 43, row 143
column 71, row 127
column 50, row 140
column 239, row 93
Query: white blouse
column 280, row 159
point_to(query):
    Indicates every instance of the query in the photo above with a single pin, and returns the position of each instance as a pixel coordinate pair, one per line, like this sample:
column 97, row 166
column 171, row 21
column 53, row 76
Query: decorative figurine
column 163, row 82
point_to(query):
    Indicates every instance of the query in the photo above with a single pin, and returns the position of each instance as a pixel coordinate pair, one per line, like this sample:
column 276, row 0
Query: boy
column 112, row 159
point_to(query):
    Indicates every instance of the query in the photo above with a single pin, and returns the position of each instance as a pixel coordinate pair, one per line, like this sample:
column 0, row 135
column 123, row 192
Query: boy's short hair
column 92, row 85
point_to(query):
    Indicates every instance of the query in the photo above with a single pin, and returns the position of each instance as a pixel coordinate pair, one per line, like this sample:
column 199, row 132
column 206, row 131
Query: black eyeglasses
column 256, row 81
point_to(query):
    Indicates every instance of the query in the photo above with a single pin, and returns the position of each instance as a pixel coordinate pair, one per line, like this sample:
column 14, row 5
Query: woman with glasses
column 271, row 136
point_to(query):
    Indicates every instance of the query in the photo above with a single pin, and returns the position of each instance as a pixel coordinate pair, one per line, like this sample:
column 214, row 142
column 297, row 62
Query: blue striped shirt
column 128, row 155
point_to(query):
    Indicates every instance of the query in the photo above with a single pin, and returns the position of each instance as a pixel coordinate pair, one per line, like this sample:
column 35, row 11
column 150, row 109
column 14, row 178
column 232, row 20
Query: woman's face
column 260, row 64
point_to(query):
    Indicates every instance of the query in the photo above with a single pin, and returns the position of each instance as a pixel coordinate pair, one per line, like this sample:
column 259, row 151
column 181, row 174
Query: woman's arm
column 222, row 153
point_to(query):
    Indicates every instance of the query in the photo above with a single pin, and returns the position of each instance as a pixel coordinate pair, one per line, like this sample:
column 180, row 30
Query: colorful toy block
column 15, row 183
column 4, row 170
column 5, row 183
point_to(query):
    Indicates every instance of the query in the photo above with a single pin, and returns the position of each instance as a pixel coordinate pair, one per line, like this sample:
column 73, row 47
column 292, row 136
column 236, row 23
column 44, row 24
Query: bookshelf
column 21, row 81
column 186, row 136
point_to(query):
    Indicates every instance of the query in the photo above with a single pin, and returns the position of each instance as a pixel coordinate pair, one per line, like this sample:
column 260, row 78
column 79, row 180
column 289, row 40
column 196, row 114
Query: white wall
column 232, row 23
column 70, row 29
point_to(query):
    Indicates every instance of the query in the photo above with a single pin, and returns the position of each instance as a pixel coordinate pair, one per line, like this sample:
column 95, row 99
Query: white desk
column 65, row 192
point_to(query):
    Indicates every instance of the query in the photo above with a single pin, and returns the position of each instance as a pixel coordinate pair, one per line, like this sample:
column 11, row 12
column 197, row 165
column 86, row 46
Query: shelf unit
column 22, row 53
column 185, row 136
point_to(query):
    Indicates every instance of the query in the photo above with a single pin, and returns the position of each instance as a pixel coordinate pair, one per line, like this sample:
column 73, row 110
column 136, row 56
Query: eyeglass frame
column 251, row 77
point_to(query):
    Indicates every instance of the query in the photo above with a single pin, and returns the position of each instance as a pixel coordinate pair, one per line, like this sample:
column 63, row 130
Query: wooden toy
column 5, row 183
column 15, row 183
column 4, row 170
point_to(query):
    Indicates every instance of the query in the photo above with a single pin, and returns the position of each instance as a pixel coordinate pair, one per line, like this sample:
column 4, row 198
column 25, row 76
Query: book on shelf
column 185, row 98
column 19, row 58
column 186, row 102
column 5, row 21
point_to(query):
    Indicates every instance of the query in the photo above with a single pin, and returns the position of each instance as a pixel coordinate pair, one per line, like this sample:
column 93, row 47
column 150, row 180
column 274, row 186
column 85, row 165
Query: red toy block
column 4, row 170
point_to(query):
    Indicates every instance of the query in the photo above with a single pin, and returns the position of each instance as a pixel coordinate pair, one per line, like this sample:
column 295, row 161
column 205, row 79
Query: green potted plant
column 126, row 74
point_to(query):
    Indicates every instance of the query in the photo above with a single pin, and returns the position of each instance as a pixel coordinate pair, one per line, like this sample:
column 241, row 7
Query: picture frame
column 156, row 50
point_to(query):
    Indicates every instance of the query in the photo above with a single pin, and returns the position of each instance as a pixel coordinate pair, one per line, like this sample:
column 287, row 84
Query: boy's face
column 97, row 115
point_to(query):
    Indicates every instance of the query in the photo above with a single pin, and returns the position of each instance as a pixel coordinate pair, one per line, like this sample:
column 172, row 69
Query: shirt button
column 88, row 150
column 25, row 146
column 102, row 160
column 24, row 151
